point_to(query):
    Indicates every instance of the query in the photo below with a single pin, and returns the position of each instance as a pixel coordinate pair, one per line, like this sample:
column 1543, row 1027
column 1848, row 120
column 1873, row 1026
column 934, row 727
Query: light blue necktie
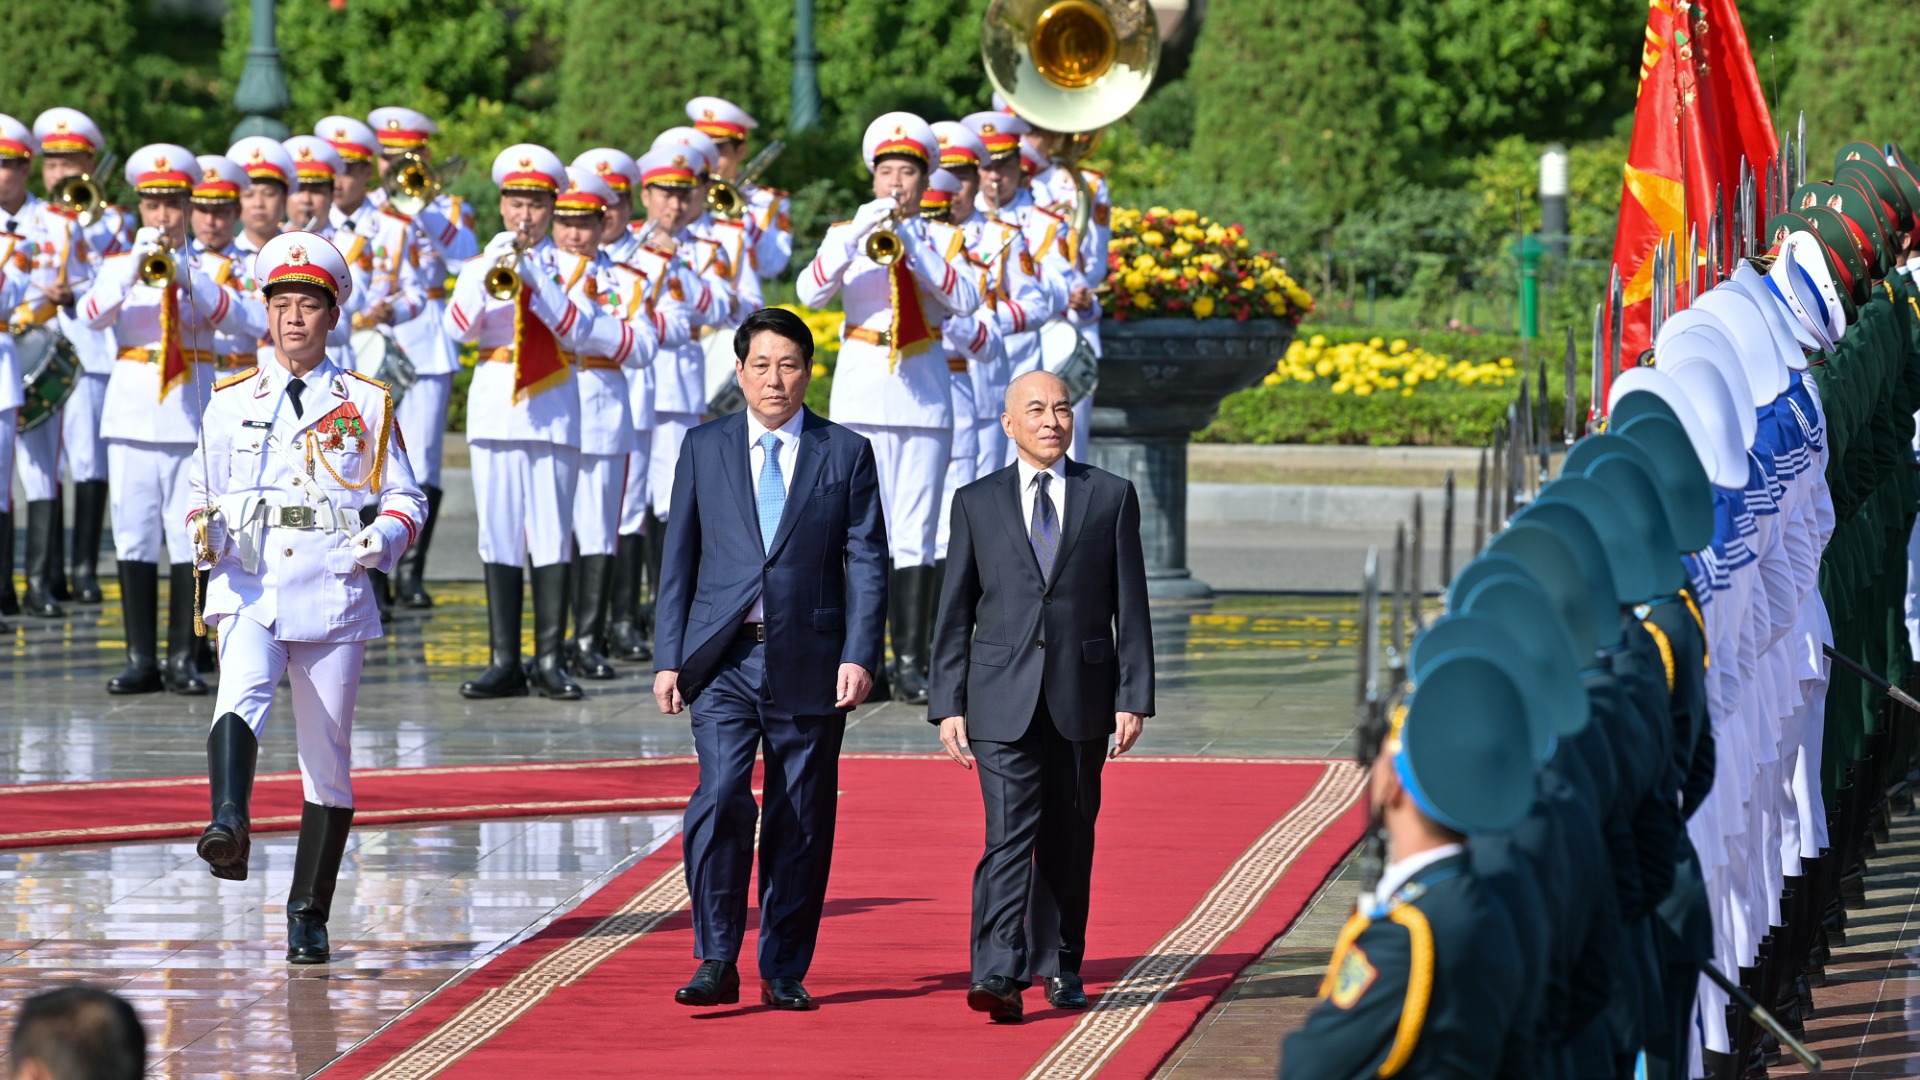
column 773, row 491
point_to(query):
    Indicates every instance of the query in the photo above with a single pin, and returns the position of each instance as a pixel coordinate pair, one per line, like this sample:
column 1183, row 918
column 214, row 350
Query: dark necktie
column 1045, row 532
column 294, row 389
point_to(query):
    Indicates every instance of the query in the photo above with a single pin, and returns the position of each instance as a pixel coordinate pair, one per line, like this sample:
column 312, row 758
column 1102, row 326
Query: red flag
column 912, row 333
column 538, row 363
column 1699, row 110
column 174, row 366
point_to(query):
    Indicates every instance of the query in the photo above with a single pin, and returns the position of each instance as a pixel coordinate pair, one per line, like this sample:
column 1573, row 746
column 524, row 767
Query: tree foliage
column 1840, row 52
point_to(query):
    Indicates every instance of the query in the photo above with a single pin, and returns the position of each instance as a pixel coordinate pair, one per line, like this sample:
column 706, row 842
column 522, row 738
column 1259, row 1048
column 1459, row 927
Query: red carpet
column 49, row 815
column 1202, row 863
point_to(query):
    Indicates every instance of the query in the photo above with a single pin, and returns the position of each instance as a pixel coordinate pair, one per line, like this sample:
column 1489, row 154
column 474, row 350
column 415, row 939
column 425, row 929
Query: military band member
column 523, row 419
column 619, row 343
column 166, row 324
column 1052, row 186
column 316, row 165
column 892, row 384
column 736, row 237
column 443, row 230
column 263, row 205
column 294, row 447
column 727, row 125
column 214, row 216
column 13, row 289
column 20, row 212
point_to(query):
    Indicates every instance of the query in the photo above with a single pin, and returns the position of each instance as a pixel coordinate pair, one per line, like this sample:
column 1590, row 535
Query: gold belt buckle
column 296, row 517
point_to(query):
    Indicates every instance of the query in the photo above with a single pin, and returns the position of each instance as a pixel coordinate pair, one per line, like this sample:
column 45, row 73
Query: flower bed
column 1177, row 262
column 1363, row 367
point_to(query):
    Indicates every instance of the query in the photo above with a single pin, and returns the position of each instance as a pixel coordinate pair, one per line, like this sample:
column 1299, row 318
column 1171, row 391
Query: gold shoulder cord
column 1413, row 1015
column 1666, row 649
column 379, row 454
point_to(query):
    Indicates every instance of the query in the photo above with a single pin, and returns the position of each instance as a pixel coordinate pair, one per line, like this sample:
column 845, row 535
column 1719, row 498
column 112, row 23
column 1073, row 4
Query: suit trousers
column 1033, row 886
column 326, row 683
column 798, row 810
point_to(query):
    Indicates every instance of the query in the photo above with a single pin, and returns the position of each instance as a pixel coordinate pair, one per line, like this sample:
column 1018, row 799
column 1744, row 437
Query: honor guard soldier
column 316, row 164
column 294, row 448
column 523, row 418
column 263, row 205
column 624, row 337
column 165, row 304
column 727, row 125
column 444, row 241
column 214, row 214
column 1424, row 980
column 14, row 156
column 892, row 384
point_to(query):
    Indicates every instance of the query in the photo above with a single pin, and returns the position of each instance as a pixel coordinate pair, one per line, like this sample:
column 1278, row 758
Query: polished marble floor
column 1243, row 675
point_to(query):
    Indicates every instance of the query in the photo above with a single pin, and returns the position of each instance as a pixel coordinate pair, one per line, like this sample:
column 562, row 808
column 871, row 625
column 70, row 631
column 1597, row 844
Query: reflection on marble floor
column 202, row 959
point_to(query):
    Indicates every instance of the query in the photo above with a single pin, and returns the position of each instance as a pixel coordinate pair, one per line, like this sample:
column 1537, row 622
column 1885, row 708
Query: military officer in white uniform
column 166, row 324
column 523, row 419
column 263, row 205
column 214, row 216
column 892, row 382
column 316, row 164
column 14, row 156
column 445, row 239
column 727, row 125
column 294, row 448
column 737, row 237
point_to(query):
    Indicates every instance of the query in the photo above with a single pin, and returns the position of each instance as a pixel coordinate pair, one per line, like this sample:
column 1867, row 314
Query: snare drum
column 50, row 369
column 1066, row 352
column 376, row 356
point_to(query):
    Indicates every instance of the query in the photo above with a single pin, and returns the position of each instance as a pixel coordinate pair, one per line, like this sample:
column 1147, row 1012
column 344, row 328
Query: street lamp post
column 262, row 94
column 805, row 112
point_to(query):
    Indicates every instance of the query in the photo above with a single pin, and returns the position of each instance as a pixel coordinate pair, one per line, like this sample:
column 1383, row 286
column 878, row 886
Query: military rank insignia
column 1355, row 974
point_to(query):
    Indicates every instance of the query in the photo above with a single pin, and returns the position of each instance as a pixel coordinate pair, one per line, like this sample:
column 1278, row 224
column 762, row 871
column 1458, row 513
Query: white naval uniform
column 904, row 408
column 625, row 336
column 13, row 289
column 260, row 455
column 680, row 379
column 151, row 437
column 444, row 241
column 1019, row 295
column 773, row 248
column 58, row 250
column 1055, row 190
column 526, row 453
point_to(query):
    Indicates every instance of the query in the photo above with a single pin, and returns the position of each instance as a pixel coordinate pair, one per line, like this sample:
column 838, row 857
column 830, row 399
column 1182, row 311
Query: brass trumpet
column 883, row 244
column 503, row 280
column 157, row 269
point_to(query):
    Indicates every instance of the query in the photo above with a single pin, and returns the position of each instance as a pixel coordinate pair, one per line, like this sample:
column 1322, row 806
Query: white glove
column 869, row 217
column 214, row 524
column 912, row 231
column 501, row 244
column 370, row 547
column 146, row 243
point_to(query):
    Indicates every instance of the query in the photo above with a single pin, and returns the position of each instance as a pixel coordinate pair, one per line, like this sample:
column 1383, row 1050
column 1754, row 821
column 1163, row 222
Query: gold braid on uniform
column 380, row 445
column 1666, row 649
column 1700, row 621
column 1419, row 987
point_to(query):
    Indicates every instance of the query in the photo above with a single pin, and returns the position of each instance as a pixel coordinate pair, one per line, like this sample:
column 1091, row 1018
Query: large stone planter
column 1161, row 380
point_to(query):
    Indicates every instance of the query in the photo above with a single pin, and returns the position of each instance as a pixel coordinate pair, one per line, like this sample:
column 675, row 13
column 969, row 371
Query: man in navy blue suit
column 773, row 595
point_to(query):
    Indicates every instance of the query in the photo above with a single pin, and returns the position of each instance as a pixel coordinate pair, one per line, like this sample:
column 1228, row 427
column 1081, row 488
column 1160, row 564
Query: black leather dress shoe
column 715, row 982
column 784, row 993
column 1065, row 991
column 998, row 997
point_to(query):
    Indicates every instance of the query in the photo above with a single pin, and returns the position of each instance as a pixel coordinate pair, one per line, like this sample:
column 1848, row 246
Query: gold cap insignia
column 526, row 163
column 257, row 156
column 61, row 127
column 305, row 153
column 989, row 129
column 679, row 161
column 210, row 176
column 393, row 125
column 603, row 166
column 1853, row 155
column 706, row 114
column 1837, row 205
column 296, row 256
column 1809, row 202
column 160, row 164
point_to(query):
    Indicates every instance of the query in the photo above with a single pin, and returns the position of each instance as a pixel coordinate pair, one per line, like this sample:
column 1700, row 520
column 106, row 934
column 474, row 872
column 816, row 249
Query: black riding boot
column 626, row 633
column 140, row 611
column 410, row 574
column 504, row 676
column 183, row 665
column 57, row 586
column 592, row 585
column 43, row 555
column 550, row 632
column 89, row 524
column 382, row 590
column 907, row 606
column 9, row 598
column 316, row 870
column 655, row 547
column 232, row 752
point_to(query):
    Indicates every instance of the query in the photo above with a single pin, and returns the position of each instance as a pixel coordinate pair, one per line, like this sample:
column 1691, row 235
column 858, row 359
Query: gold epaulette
column 237, row 378
column 367, row 379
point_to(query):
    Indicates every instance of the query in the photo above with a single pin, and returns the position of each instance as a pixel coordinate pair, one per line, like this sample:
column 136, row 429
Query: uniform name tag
column 264, row 425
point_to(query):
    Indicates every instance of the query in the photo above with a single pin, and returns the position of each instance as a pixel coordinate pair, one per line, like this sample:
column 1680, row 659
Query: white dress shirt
column 1055, row 494
column 1401, row 871
column 789, row 451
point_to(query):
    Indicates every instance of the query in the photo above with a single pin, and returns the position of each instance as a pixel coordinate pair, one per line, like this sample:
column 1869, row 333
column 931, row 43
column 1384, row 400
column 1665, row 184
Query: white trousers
column 422, row 416
column 523, row 492
column 83, row 442
column 8, row 418
column 596, row 505
column 633, row 497
column 147, row 489
column 669, row 431
column 37, row 460
column 1082, row 429
column 963, row 463
column 912, row 463
column 991, row 446
column 326, row 681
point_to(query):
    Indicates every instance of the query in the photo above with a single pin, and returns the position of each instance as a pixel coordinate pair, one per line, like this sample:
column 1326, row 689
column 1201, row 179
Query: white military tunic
column 625, row 338
column 680, row 379
column 678, row 300
column 13, row 289
column 443, row 242
column 1018, row 297
column 57, row 250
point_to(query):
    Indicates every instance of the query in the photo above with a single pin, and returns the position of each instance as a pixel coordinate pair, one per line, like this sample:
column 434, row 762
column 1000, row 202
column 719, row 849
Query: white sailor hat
column 1703, row 346
column 1753, row 285
column 900, row 134
column 705, row 152
column 959, row 146
column 1706, row 389
column 263, row 158
column 1801, row 282
column 162, row 169
column 315, row 161
column 398, row 128
column 68, row 131
column 527, row 167
column 304, row 257
column 669, row 166
column 1000, row 132
column 585, row 194
column 1752, row 338
column 1661, row 385
column 1723, row 348
column 352, row 139
column 221, row 181
column 616, row 167
column 720, row 118
column 16, row 142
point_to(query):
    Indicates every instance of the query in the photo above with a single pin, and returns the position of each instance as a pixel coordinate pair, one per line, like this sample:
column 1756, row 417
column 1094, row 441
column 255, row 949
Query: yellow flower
column 1135, row 281
column 1153, row 238
column 1318, row 341
column 1142, row 300
column 1376, row 343
column 1276, row 301
column 819, row 371
column 1203, row 307
column 1323, row 369
column 1272, row 379
column 1194, row 233
column 1184, row 217
column 1144, row 261
column 1158, row 211
column 1240, row 243
column 1215, row 234
column 1363, row 390
column 1399, row 346
column 1248, row 285
column 1181, row 249
column 1208, row 277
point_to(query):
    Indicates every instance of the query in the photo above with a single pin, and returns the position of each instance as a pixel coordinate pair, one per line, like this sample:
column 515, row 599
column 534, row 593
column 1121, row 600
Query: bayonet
column 1396, row 643
column 1446, row 531
column 1716, row 237
column 1596, row 404
column 1693, row 261
column 1416, row 590
column 1800, row 152
column 1573, row 398
column 1480, row 506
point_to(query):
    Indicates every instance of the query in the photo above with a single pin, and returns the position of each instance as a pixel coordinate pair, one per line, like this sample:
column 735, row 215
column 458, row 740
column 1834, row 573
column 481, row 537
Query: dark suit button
column 1039, row 644
column 1047, row 599
column 769, row 568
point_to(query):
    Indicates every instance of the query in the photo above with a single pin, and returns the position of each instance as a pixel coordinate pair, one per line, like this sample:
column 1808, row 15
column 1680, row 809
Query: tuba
column 727, row 200
column 1072, row 66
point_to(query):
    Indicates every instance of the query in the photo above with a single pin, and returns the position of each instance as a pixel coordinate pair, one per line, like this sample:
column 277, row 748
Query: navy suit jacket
column 824, row 579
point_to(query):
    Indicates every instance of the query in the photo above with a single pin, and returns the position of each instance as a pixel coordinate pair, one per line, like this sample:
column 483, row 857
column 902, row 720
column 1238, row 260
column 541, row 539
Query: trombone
column 412, row 184
column 728, row 200
column 503, row 279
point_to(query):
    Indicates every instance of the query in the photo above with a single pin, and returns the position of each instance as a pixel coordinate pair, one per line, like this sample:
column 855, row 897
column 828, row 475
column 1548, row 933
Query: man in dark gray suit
column 1042, row 651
